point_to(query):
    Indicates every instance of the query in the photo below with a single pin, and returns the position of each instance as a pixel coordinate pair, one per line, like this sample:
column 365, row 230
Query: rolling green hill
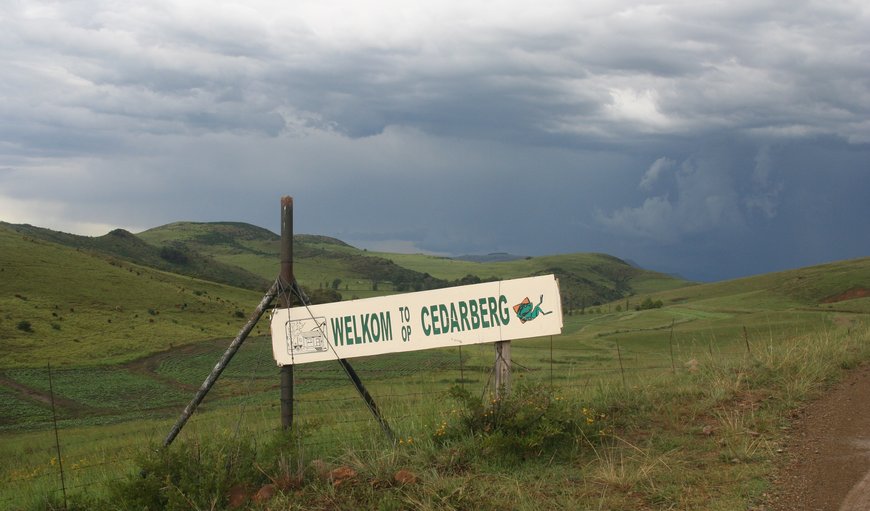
column 82, row 300
column 70, row 306
column 759, row 307
column 117, row 297
column 244, row 255
column 323, row 262
column 320, row 262
column 129, row 343
column 172, row 257
column 598, row 278
column 841, row 285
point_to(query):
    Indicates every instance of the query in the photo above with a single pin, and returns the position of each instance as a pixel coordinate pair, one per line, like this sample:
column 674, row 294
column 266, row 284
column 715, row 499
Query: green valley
column 132, row 324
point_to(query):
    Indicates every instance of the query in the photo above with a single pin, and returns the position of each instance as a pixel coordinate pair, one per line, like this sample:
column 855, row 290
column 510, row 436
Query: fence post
column 287, row 281
column 671, row 344
column 746, row 340
column 222, row 364
column 461, row 372
column 551, row 363
column 621, row 368
column 502, row 370
column 56, row 437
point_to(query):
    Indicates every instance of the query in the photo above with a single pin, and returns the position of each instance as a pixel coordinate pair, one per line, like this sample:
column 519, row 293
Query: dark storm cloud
column 661, row 132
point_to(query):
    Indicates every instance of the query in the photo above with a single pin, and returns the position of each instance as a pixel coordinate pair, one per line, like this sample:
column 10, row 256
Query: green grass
column 319, row 260
column 85, row 310
column 657, row 416
column 600, row 268
column 121, row 245
column 132, row 343
column 19, row 412
column 654, row 456
column 102, row 389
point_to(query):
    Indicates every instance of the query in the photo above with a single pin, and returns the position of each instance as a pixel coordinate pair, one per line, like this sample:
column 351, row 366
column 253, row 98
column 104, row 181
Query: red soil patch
column 850, row 294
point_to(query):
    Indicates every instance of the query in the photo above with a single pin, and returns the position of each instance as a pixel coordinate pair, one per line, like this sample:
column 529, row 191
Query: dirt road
column 827, row 459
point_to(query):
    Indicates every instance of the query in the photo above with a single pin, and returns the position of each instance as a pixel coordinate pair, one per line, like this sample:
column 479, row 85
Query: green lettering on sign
column 362, row 329
column 462, row 316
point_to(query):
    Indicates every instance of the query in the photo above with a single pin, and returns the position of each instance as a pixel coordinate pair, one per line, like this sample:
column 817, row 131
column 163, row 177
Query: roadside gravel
column 826, row 459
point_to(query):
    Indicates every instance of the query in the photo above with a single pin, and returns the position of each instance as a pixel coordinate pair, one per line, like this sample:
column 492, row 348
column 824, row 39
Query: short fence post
column 621, row 368
column 746, row 340
column 551, row 363
column 502, row 370
column 56, row 437
column 461, row 371
column 671, row 344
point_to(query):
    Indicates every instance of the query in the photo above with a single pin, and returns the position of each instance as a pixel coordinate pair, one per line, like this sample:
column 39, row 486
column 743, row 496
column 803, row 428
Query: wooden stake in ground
column 502, row 370
column 671, row 343
column 746, row 340
column 56, row 436
column 621, row 368
column 222, row 363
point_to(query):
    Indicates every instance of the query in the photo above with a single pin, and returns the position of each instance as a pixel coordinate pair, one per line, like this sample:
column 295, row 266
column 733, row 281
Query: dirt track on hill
column 826, row 464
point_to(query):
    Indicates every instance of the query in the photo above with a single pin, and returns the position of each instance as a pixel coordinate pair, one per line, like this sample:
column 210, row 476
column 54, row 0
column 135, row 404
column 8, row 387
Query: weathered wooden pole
column 288, row 283
column 287, row 280
column 262, row 307
column 367, row 398
column 502, row 369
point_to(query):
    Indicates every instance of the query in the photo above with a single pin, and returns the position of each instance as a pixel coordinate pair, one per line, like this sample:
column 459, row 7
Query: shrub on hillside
column 648, row 303
column 323, row 296
column 189, row 475
column 532, row 420
column 174, row 255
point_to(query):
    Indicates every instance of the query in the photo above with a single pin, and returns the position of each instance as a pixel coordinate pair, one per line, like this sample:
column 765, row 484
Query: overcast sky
column 709, row 139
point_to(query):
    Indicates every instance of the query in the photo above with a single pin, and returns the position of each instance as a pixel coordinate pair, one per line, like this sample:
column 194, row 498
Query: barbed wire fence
column 106, row 419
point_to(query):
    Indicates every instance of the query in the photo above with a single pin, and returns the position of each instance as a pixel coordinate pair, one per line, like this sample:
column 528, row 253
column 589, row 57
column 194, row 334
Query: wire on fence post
column 56, row 436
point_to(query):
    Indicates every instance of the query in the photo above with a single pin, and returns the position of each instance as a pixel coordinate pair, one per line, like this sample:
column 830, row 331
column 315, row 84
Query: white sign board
column 479, row 313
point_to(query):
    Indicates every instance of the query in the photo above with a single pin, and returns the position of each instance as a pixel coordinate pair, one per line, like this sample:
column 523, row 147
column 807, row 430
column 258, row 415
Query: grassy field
column 132, row 344
column 655, row 418
column 72, row 308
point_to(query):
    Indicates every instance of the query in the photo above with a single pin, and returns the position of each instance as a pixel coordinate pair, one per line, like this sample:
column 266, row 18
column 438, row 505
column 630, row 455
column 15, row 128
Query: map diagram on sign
column 306, row 336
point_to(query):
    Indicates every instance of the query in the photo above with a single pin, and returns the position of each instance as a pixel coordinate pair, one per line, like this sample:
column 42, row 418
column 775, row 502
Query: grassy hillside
column 68, row 306
column 73, row 297
column 586, row 279
column 173, row 257
column 130, row 344
column 319, row 261
column 247, row 256
column 706, row 381
column 705, row 319
column 841, row 285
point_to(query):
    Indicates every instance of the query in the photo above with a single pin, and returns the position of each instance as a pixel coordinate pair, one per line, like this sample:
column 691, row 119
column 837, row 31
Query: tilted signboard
column 479, row 313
